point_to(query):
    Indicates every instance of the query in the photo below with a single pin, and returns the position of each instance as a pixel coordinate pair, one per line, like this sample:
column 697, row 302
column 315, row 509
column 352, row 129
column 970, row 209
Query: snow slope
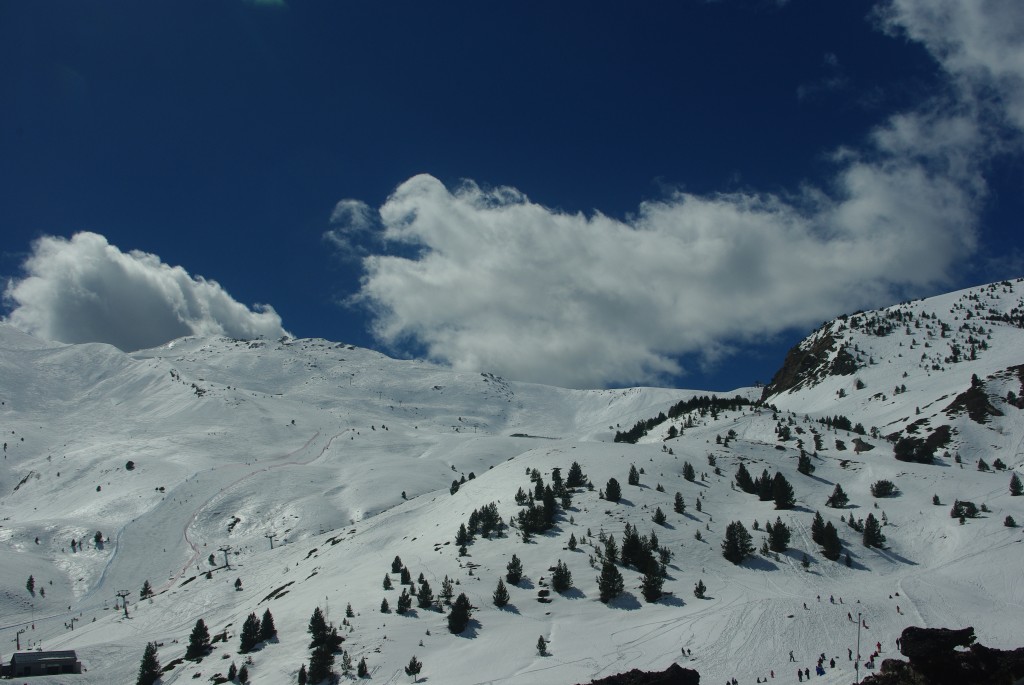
column 345, row 457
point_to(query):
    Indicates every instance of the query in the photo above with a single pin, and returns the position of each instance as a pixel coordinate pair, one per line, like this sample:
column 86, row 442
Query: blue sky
column 578, row 193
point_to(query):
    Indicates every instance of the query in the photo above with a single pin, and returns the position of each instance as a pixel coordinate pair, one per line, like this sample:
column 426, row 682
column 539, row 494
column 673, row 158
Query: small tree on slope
column 737, row 545
column 149, row 670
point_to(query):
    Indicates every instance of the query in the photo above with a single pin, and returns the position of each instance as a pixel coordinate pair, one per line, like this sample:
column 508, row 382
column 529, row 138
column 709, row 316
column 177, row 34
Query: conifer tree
column 460, row 614
column 397, row 565
column 576, row 478
column 1016, row 488
column 611, row 550
column 613, row 491
column 250, row 636
column 659, row 517
column 804, row 464
column 317, row 628
column 198, row 641
column 500, row 595
column 243, row 674
column 321, row 660
column 425, row 596
column 778, row 536
column 447, row 589
column 542, row 646
column 404, row 602
column 414, row 668
column 515, row 571
column 302, row 674
column 146, row 591
column 744, row 481
column 149, row 669
column 764, row 486
column 679, row 506
column 387, row 582
column 688, row 472
column 817, row 527
column 737, row 545
column 232, row 672
column 561, row 578
column 385, row 608
column 838, row 498
column 634, row 475
column 361, row 668
column 609, row 583
column 782, row 492
column 651, row 585
column 873, row 536
column 406, row 576
column 831, row 547
column 268, row 631
column 572, row 542
column 699, row 589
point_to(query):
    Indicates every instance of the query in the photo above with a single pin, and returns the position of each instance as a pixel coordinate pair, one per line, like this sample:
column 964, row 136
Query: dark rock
column 673, row 675
column 934, row 660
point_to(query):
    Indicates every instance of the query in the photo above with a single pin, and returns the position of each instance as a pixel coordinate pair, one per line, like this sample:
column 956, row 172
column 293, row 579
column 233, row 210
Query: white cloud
column 505, row 284
column 499, row 283
column 352, row 225
column 86, row 290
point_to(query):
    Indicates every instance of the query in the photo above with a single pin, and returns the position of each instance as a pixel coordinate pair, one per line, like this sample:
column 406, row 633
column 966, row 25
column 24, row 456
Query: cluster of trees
column 703, row 404
column 826, row 535
column 483, row 522
column 766, row 487
column 537, row 518
column 255, row 631
column 325, row 643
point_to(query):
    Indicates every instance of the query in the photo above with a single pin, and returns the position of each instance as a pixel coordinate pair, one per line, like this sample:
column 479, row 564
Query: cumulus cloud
column 353, row 224
column 87, row 290
column 490, row 280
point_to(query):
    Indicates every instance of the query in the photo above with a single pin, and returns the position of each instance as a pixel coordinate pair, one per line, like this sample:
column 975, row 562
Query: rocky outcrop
column 934, row 660
column 673, row 675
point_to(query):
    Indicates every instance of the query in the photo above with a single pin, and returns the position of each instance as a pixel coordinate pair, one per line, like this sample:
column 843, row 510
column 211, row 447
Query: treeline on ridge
column 703, row 404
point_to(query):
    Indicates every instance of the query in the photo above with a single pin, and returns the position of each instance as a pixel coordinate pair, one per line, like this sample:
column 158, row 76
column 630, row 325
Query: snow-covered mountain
column 309, row 465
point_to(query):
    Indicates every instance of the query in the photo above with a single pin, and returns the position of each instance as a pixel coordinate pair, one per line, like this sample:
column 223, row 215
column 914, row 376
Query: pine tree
column 572, row 542
column 659, row 517
column 650, row 586
column 679, row 506
column 515, row 571
column 243, row 674
column 406, row 576
column 198, row 641
column 817, row 527
column 302, row 674
column 782, row 492
column 500, row 595
column 831, row 548
column 460, row 614
column 321, row 660
column 609, row 583
column 250, row 636
column 1016, row 488
column 779, row 536
column 699, row 589
column 744, row 481
column 30, row 585
column 542, row 646
column 634, row 475
column 268, row 631
column 561, row 578
column 414, row 668
column 688, row 472
column 361, row 668
column 804, row 464
column 575, row 479
column 397, row 565
column 404, row 602
column 764, row 486
column 232, row 672
column 317, row 629
column 149, row 669
column 737, row 545
column 838, row 498
column 387, row 582
column 462, row 537
column 348, row 607
column 385, row 608
column 146, row 591
column 447, row 589
column 613, row 491
column 425, row 596
column 873, row 536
